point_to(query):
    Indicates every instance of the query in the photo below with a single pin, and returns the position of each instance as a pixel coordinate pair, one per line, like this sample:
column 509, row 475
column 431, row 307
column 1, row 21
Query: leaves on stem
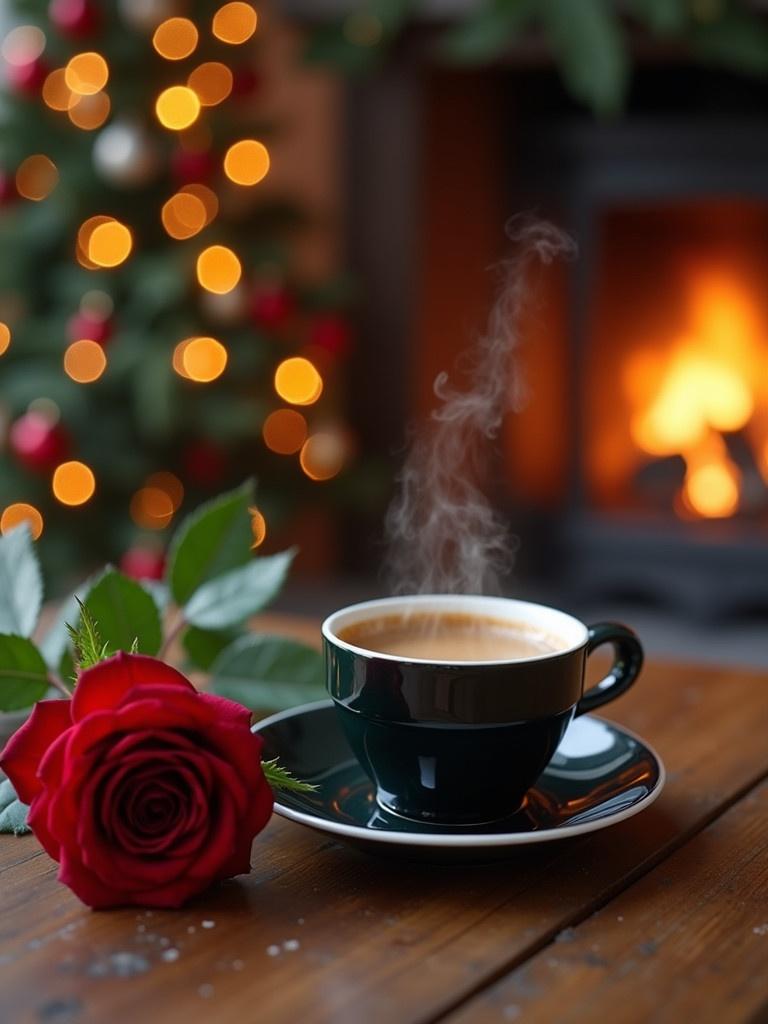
column 268, row 673
column 280, row 778
column 126, row 614
column 230, row 598
column 23, row 673
column 21, row 586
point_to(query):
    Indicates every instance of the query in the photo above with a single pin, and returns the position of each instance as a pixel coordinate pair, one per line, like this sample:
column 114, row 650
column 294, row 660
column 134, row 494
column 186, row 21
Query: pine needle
column 280, row 778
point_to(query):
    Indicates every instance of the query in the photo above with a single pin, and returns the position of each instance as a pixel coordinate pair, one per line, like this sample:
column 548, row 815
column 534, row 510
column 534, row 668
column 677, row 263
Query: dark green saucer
column 600, row 774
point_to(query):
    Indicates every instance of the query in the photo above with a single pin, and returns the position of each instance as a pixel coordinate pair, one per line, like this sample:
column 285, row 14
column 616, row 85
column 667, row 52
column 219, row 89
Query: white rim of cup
column 492, row 607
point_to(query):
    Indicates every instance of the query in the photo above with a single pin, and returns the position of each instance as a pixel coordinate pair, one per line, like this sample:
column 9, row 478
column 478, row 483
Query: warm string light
column 56, row 93
column 212, row 81
column 258, row 527
column 246, row 162
column 89, row 112
column 200, row 359
column 73, row 483
column 218, row 269
column 5, row 338
column 84, row 361
column 153, row 506
column 36, row 177
column 322, row 456
column 86, row 73
column 284, row 431
column 183, row 215
column 234, row 23
column 297, row 381
column 110, row 243
column 177, row 107
column 175, row 38
column 18, row 513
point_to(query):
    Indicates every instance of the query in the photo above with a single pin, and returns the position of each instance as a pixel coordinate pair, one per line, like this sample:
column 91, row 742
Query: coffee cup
column 447, row 732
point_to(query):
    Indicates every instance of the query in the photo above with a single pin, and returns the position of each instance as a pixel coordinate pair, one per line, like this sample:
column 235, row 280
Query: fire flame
column 711, row 381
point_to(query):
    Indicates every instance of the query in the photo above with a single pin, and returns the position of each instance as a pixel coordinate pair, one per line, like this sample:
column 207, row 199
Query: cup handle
column 628, row 660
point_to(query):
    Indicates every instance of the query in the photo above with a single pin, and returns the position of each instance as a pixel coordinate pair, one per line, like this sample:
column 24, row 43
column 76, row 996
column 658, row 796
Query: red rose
column 143, row 789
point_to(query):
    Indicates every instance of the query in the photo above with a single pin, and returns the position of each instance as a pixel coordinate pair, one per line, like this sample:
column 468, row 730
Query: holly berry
column 188, row 166
column 38, row 443
column 272, row 305
column 76, row 18
column 85, row 325
column 205, row 463
column 332, row 332
column 143, row 563
column 27, row 78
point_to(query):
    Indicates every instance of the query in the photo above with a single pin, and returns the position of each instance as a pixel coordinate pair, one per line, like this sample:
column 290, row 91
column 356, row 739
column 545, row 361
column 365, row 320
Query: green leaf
column 487, row 34
column 204, row 645
column 268, row 673
column 587, row 39
column 737, row 41
column 212, row 540
column 13, row 813
column 88, row 646
column 280, row 778
column 23, row 673
column 228, row 600
column 21, row 586
column 664, row 17
column 124, row 612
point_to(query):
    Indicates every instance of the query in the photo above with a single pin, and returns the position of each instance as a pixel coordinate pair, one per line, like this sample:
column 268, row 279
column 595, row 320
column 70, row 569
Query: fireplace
column 645, row 443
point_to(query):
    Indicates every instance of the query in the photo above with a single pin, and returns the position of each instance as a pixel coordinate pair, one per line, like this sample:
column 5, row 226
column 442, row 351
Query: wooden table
column 663, row 917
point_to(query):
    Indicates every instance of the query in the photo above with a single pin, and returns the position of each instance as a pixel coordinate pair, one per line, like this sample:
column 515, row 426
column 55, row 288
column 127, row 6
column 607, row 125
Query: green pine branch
column 280, row 778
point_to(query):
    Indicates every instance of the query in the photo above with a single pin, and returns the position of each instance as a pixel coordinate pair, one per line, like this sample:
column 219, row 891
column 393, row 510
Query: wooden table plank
column 687, row 942
column 378, row 940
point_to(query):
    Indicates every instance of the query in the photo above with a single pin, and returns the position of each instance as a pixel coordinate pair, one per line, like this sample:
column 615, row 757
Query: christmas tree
column 155, row 345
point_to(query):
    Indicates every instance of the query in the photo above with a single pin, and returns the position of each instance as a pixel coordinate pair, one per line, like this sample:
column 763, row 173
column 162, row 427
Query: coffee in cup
column 455, row 704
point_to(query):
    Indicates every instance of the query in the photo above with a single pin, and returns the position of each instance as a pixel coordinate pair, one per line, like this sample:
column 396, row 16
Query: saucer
column 600, row 774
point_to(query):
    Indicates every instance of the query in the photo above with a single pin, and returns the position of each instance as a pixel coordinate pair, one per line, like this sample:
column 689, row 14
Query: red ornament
column 86, row 325
column 37, row 443
column 143, row 563
column 76, row 18
column 205, row 463
column 191, row 166
column 271, row 305
column 245, row 82
column 7, row 189
column 27, row 79
column 332, row 332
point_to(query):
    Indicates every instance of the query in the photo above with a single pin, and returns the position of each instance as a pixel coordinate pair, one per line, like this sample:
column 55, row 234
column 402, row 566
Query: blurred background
column 243, row 240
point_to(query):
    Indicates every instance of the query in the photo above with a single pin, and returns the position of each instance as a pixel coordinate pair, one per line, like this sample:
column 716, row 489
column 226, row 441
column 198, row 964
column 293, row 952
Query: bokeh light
column 212, row 82
column 200, row 359
column 56, row 93
column 86, row 73
column 5, row 338
column 297, row 381
column 218, row 269
column 183, row 215
column 18, row 513
column 234, row 23
column 284, row 431
column 246, row 162
column 177, row 107
column 258, row 527
column 23, row 44
column 90, row 112
column 84, row 361
column 84, row 233
column 109, row 244
column 169, row 483
column 207, row 197
column 175, row 38
column 73, row 483
column 36, row 177
column 322, row 456
column 151, row 508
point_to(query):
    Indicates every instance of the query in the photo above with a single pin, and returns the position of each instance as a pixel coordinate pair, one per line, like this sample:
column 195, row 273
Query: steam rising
column 443, row 535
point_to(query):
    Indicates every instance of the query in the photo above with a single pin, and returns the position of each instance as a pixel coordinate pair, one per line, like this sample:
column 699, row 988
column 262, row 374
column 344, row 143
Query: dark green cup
column 462, row 742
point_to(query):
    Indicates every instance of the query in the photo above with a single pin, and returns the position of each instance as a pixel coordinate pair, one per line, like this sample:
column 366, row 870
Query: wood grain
column 687, row 942
column 379, row 941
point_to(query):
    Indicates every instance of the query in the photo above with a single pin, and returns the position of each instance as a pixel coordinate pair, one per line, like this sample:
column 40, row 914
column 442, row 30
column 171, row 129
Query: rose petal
column 227, row 711
column 21, row 757
column 107, row 684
